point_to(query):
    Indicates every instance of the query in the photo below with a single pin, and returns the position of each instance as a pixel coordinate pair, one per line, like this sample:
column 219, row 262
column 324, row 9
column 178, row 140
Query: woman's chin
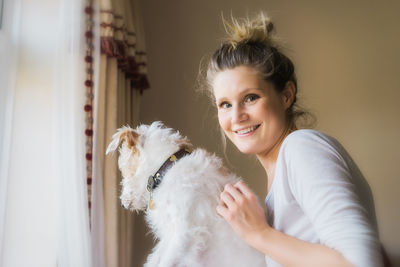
column 248, row 150
column 249, row 147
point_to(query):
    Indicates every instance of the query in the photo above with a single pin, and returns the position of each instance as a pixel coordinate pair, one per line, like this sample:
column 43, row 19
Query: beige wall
column 347, row 59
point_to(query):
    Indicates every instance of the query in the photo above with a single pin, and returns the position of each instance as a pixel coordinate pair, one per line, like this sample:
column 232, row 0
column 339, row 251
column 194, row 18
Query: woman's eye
column 251, row 98
column 224, row 105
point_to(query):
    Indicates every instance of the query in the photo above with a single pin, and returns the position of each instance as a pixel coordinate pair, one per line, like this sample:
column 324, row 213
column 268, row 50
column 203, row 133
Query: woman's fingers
column 234, row 192
column 240, row 208
column 244, row 189
column 237, row 194
column 222, row 210
column 227, row 199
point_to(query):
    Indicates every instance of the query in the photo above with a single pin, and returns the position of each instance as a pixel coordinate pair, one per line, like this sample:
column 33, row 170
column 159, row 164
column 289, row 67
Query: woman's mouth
column 248, row 130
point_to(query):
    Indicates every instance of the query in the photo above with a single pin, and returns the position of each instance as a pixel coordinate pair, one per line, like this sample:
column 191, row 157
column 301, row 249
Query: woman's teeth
column 247, row 130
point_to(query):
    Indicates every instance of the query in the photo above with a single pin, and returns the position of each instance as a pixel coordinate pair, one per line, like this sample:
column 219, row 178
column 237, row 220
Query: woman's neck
column 268, row 161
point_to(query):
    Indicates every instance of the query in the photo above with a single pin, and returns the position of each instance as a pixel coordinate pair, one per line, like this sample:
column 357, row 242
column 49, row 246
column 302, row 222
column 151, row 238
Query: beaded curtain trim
column 89, row 100
column 116, row 41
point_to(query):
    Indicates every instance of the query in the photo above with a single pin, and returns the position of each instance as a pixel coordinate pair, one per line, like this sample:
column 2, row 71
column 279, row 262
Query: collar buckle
column 153, row 181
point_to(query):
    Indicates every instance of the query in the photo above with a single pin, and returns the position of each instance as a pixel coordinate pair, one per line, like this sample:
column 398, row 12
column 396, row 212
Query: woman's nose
column 239, row 114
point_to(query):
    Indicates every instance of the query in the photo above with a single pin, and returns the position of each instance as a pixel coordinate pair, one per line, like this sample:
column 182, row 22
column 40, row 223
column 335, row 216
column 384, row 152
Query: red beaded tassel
column 88, row 108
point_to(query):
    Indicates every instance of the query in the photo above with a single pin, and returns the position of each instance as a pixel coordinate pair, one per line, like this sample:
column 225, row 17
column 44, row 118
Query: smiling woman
column 250, row 108
column 320, row 210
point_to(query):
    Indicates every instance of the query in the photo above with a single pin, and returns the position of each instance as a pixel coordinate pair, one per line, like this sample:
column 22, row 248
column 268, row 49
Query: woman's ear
column 289, row 94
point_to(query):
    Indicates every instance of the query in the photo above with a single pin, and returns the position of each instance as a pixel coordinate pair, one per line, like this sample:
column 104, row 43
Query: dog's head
column 142, row 151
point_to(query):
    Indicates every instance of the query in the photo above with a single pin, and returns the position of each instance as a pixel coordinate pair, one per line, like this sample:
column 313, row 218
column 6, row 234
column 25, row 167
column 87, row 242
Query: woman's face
column 250, row 111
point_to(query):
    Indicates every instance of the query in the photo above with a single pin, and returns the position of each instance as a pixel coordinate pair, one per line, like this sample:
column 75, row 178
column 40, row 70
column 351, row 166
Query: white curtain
column 43, row 194
column 73, row 241
column 9, row 40
column 44, row 214
column 97, row 192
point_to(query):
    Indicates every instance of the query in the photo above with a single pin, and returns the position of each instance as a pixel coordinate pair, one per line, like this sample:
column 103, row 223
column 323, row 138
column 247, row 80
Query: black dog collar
column 156, row 179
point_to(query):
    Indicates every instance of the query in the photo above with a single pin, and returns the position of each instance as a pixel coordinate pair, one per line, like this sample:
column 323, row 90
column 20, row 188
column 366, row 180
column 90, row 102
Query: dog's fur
column 184, row 219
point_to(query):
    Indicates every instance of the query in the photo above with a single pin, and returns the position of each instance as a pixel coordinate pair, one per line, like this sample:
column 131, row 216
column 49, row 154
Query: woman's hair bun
column 244, row 30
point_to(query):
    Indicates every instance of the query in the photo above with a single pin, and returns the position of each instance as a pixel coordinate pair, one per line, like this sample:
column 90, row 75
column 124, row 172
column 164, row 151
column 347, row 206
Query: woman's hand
column 241, row 209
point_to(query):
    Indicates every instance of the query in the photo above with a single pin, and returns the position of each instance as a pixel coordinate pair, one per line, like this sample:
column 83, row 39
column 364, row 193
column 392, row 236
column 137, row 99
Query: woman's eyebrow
column 220, row 100
column 249, row 90
column 252, row 88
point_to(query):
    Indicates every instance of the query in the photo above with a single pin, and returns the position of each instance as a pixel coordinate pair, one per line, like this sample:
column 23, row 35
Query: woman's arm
column 241, row 209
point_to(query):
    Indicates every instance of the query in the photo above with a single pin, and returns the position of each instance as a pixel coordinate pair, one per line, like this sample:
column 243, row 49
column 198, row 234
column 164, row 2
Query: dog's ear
column 124, row 134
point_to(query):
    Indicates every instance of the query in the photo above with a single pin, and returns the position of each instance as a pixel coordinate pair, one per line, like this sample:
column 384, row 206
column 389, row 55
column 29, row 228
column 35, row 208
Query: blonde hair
column 245, row 29
column 252, row 42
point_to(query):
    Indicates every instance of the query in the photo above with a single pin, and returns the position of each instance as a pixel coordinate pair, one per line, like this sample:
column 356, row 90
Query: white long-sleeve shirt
column 320, row 196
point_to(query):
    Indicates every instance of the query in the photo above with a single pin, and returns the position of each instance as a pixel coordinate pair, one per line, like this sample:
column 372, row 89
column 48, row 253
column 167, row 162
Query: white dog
column 179, row 191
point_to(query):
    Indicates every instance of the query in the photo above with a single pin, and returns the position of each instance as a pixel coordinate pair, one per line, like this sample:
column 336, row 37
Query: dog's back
column 185, row 222
column 184, row 218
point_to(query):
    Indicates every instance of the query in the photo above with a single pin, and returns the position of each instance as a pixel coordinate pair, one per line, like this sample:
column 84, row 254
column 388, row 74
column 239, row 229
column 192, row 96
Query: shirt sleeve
column 328, row 191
